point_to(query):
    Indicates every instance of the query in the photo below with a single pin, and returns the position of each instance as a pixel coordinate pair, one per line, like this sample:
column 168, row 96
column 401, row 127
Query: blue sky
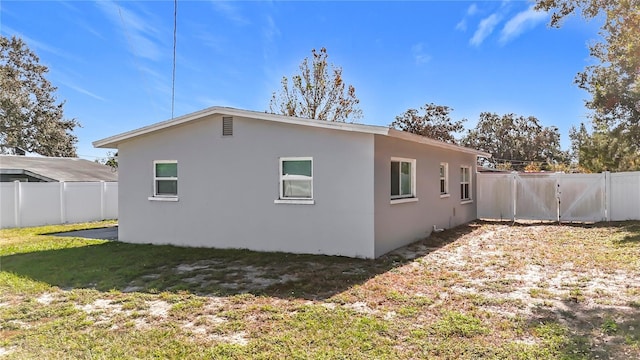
column 112, row 60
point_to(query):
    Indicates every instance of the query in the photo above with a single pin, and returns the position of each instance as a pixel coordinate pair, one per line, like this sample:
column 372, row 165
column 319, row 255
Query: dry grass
column 484, row 290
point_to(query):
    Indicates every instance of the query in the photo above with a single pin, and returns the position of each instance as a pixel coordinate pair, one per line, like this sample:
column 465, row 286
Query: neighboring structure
column 52, row 169
column 230, row 178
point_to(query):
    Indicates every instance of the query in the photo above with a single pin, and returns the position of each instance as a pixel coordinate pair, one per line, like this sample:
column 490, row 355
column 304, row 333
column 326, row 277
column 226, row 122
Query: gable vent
column 227, row 126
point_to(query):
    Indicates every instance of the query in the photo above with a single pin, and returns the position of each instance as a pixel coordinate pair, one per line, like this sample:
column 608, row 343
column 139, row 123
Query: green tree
column 613, row 82
column 31, row 117
column 318, row 92
column 517, row 140
column 110, row 160
column 604, row 148
column 434, row 122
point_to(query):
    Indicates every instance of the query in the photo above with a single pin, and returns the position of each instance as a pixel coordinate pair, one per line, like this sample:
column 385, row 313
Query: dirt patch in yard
column 524, row 272
column 515, row 272
column 202, row 321
column 482, row 290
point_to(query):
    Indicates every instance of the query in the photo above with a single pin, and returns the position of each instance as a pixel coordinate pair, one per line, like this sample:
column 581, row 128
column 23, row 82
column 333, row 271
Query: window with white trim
column 296, row 178
column 403, row 178
column 465, row 183
column 444, row 179
column 165, row 178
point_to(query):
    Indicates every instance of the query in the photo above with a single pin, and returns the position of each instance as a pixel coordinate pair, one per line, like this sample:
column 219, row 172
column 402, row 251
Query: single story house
column 52, row 169
column 229, row 178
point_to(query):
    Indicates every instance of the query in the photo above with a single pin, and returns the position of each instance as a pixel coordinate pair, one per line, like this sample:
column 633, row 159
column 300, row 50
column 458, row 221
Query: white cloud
column 485, row 28
column 230, row 12
column 83, row 91
column 419, row 54
column 270, row 32
column 38, row 45
column 472, row 10
column 212, row 40
column 462, row 24
column 140, row 33
column 523, row 21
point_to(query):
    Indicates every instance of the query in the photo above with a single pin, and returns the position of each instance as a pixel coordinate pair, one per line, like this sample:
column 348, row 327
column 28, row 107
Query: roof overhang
column 440, row 144
column 27, row 173
column 112, row 142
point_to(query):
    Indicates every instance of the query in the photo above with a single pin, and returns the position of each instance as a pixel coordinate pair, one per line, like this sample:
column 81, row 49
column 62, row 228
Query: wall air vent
column 227, row 126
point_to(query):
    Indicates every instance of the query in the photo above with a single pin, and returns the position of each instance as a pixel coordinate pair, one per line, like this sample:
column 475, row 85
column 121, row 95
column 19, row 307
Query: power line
column 173, row 78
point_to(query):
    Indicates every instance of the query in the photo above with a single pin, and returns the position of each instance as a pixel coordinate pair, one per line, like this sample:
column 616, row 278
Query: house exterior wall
column 400, row 224
column 227, row 187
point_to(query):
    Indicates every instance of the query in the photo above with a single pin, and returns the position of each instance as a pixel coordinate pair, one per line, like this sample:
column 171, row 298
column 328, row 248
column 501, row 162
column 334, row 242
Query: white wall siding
column 227, row 186
column 34, row 204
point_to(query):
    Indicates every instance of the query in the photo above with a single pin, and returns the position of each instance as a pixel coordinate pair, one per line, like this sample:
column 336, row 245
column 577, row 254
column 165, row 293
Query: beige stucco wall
column 400, row 224
column 227, row 187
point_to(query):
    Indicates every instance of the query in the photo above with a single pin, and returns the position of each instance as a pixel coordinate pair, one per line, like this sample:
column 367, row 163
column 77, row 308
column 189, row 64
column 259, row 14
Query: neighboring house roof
column 113, row 141
column 56, row 169
column 485, row 169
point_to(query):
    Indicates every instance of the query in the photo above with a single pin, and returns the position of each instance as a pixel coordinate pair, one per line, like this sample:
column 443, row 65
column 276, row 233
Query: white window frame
column 398, row 199
column 282, row 199
column 163, row 197
column 469, row 198
column 444, row 178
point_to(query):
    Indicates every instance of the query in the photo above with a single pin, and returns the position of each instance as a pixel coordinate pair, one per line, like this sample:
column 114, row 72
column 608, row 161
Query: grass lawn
column 482, row 290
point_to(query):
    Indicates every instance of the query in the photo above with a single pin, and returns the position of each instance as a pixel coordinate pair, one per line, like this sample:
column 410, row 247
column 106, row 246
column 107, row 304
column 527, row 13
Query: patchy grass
column 483, row 290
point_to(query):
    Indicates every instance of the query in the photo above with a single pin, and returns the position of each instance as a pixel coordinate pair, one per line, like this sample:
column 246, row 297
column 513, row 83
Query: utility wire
column 173, row 79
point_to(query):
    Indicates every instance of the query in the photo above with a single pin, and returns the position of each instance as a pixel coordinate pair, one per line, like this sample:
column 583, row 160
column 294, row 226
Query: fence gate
column 582, row 197
column 536, row 196
column 553, row 197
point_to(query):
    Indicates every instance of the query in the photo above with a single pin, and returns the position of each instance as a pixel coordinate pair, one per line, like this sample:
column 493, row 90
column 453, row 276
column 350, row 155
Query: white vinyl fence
column 25, row 204
column 559, row 197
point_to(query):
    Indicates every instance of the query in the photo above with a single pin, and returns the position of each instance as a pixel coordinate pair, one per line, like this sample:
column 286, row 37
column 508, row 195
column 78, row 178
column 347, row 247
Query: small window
column 403, row 178
column 296, row 178
column 465, row 183
column 227, row 126
column 444, row 179
column 165, row 182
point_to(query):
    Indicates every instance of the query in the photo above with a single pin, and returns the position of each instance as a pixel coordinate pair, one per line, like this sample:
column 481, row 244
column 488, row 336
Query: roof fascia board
column 112, row 142
column 425, row 140
column 367, row 129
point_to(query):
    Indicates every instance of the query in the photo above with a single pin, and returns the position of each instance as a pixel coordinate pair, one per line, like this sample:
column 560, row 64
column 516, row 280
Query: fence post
column 558, row 197
column 63, row 214
column 17, row 198
column 514, row 194
column 607, row 196
column 103, row 189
